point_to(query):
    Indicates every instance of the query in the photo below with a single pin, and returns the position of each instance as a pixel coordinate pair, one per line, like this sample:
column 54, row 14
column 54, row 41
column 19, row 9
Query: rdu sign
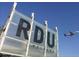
column 36, row 32
column 17, row 37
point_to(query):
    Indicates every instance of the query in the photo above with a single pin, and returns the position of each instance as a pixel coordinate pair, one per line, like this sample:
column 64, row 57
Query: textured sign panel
column 18, row 33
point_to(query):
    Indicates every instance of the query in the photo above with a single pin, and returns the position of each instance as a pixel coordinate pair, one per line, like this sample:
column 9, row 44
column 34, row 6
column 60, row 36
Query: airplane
column 69, row 34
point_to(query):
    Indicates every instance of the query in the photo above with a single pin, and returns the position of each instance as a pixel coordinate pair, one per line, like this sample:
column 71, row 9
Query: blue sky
column 63, row 15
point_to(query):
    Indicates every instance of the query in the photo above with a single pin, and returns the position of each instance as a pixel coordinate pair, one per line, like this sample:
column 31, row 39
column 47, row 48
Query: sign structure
column 16, row 39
